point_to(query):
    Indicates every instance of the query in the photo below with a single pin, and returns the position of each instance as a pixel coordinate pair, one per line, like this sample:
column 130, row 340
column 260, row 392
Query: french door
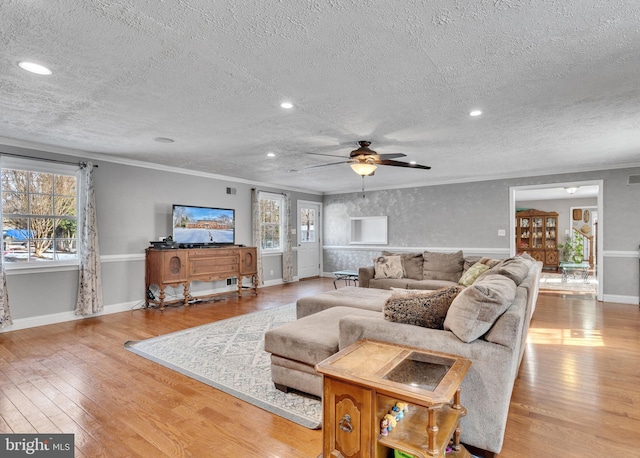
column 309, row 238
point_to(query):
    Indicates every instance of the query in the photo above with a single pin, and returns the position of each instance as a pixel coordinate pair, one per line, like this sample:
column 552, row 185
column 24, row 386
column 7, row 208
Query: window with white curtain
column 271, row 219
column 39, row 212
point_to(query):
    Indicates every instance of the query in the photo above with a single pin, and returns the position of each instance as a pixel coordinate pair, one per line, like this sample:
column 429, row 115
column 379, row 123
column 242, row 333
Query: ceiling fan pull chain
column 363, row 186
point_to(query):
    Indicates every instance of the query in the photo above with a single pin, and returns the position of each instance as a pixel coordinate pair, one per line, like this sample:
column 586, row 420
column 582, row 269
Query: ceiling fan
column 364, row 161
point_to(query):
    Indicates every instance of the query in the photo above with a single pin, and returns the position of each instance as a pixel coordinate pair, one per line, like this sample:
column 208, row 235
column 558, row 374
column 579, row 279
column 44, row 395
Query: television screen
column 203, row 225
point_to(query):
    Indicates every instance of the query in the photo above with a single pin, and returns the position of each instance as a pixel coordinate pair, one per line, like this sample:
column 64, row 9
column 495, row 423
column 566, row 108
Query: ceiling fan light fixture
column 571, row 189
column 363, row 168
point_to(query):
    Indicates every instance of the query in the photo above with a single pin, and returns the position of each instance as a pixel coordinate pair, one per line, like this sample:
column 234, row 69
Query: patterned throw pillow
column 387, row 267
column 472, row 274
column 421, row 308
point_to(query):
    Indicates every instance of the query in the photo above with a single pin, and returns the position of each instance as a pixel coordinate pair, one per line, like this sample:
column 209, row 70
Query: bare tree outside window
column 307, row 222
column 270, row 223
column 39, row 216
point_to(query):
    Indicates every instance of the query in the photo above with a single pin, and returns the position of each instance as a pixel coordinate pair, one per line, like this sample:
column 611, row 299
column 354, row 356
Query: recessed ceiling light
column 271, row 154
column 475, row 113
column 164, row 140
column 34, row 68
column 286, row 105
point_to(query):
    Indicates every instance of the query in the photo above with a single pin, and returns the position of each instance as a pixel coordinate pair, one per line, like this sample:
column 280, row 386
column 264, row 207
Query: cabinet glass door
column 550, row 233
column 536, row 233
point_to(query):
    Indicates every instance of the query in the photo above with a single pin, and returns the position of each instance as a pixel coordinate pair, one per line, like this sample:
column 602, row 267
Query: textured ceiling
column 558, row 82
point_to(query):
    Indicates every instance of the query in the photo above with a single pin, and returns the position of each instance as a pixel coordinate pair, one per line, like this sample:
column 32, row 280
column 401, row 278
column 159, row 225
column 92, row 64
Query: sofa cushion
column 470, row 261
column 516, row 268
column 442, row 266
column 387, row 267
column 473, row 273
column 420, row 308
column 477, row 307
column 411, row 263
column 388, row 283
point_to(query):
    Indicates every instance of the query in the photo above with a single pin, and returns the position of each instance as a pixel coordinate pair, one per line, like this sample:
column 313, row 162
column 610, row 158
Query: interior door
column 309, row 236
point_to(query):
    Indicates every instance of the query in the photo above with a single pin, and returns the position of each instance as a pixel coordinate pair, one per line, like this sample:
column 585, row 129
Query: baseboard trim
column 61, row 317
column 633, row 300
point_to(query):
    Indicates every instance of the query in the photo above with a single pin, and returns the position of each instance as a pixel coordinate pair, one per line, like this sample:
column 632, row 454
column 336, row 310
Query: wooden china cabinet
column 537, row 235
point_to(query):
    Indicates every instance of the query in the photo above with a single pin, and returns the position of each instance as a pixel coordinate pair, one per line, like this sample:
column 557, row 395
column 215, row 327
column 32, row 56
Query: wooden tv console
column 181, row 266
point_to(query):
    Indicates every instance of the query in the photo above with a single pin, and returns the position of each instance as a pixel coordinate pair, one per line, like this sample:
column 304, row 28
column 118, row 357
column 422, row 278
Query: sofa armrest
column 364, row 275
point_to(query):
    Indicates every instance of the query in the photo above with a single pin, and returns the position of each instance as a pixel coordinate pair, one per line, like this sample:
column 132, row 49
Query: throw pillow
column 473, row 273
column 477, row 307
column 516, row 269
column 490, row 262
column 420, row 308
column 411, row 263
column 442, row 266
column 387, row 267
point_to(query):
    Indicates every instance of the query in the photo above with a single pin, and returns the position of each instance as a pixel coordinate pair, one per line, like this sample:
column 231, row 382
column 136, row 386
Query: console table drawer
column 219, row 266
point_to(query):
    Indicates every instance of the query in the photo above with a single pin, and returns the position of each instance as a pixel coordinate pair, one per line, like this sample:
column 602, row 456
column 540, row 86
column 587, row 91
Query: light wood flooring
column 577, row 394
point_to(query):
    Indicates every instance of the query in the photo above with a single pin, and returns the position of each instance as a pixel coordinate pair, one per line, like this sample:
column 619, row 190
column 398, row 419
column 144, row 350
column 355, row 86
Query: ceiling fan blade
column 404, row 164
column 391, row 156
column 330, row 155
column 323, row 165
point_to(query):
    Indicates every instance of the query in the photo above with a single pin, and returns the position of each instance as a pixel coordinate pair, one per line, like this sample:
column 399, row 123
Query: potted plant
column 572, row 250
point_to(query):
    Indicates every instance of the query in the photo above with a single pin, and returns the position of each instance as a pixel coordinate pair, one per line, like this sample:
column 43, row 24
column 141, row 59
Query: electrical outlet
column 501, row 232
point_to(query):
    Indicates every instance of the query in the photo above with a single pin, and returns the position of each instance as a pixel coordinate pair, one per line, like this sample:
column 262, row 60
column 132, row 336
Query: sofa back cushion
column 387, row 267
column 411, row 263
column 442, row 266
column 477, row 307
column 420, row 308
column 516, row 268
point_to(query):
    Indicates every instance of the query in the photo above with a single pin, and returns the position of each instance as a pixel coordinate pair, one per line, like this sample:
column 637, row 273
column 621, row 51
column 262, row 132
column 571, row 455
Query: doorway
column 561, row 198
column 309, row 238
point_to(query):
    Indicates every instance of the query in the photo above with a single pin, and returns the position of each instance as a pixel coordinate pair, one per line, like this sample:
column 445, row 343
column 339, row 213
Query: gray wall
column 134, row 206
column 468, row 216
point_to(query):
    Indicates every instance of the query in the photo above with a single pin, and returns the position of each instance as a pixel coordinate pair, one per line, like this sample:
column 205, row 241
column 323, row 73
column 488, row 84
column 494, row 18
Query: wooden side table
column 365, row 380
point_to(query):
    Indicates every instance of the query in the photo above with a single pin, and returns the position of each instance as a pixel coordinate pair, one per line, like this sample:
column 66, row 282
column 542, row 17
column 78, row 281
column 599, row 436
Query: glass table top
column 420, row 370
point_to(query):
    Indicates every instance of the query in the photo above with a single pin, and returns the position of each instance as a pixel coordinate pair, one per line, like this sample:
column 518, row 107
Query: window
column 271, row 206
column 39, row 212
column 308, row 225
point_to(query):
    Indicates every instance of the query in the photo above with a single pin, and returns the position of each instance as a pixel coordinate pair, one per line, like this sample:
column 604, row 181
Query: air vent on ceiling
column 634, row 179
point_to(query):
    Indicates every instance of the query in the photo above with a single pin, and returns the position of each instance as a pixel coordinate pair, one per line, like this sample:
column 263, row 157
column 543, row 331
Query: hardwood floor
column 578, row 392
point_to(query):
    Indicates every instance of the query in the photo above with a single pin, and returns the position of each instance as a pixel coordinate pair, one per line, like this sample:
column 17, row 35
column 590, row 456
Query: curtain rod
column 270, row 192
column 81, row 163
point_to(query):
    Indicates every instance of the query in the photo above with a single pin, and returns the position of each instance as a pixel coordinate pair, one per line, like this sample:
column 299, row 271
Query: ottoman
column 298, row 346
column 350, row 296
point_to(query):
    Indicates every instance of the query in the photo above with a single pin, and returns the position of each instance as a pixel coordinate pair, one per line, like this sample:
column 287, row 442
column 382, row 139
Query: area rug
column 229, row 355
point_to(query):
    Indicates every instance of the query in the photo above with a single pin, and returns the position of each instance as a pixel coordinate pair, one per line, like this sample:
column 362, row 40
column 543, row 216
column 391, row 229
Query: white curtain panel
column 255, row 218
column 287, row 251
column 5, row 312
column 90, row 299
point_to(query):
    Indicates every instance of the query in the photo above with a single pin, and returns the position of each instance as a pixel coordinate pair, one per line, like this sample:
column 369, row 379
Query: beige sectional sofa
column 421, row 270
column 486, row 322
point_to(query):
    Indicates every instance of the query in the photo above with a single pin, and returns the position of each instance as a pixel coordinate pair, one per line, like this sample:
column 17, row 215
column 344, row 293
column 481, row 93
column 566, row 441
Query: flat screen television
column 203, row 225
